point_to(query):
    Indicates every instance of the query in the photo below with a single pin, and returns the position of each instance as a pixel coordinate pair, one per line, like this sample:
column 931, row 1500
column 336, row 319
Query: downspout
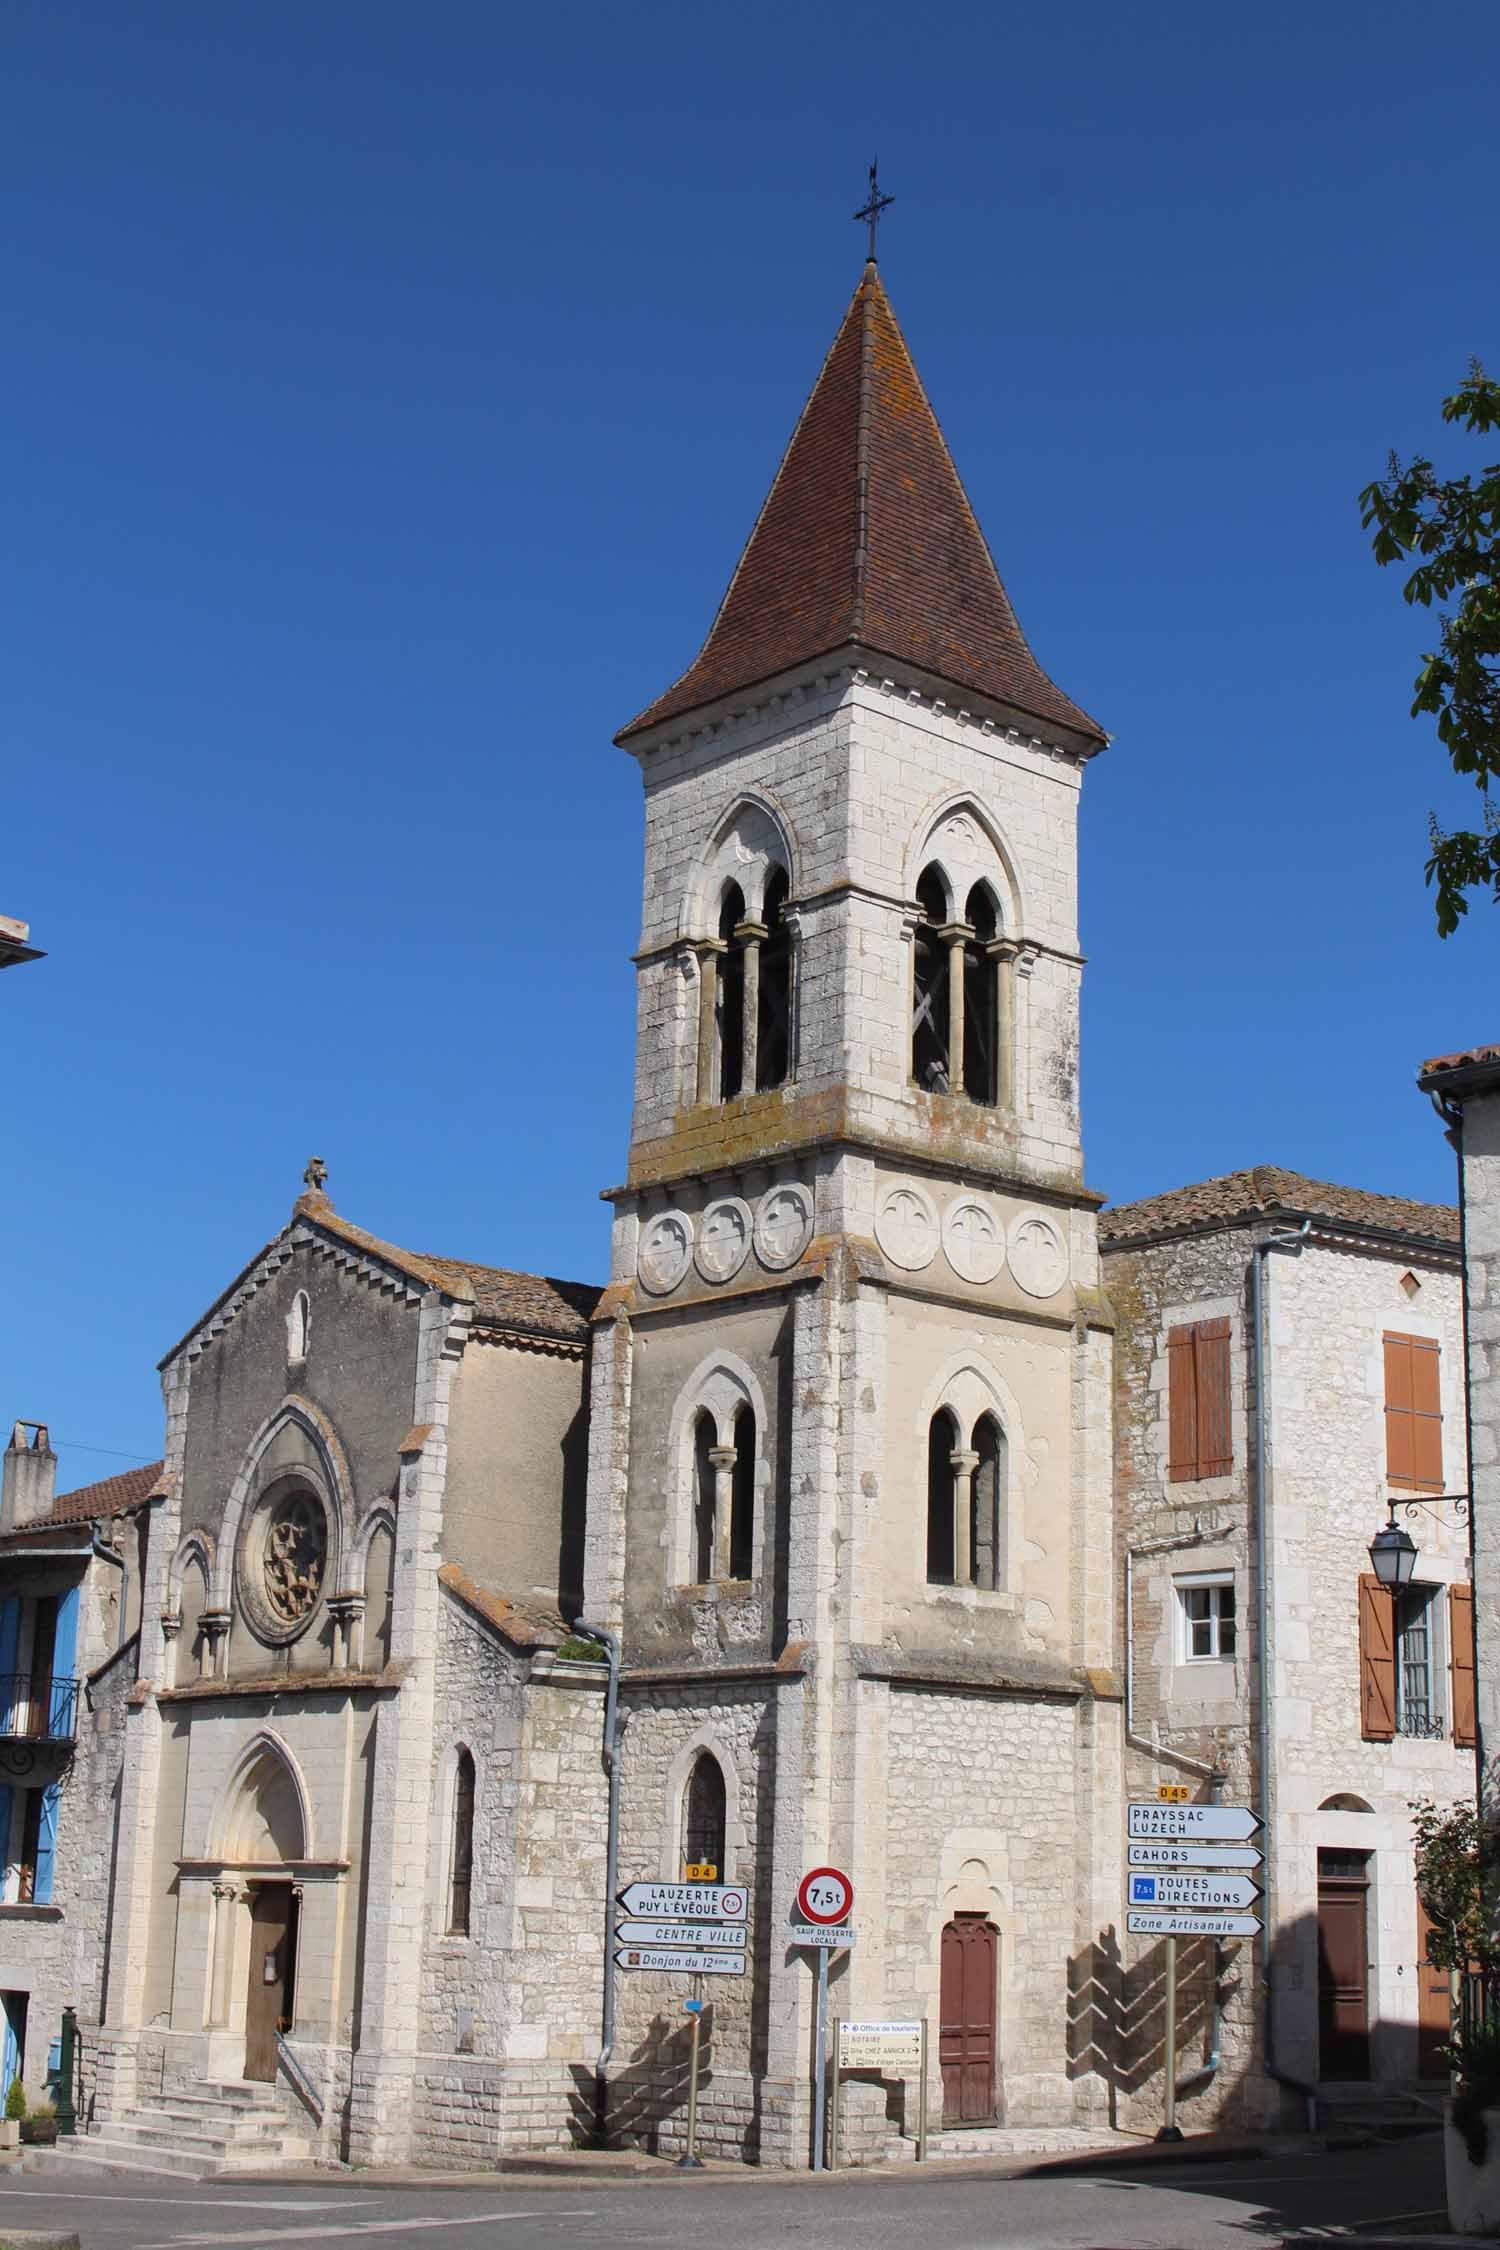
column 1452, row 1115
column 108, row 1554
column 609, row 1751
column 1282, row 1239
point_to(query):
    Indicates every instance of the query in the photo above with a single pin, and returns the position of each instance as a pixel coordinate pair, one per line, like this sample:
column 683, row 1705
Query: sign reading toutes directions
column 693, row 1929
column 1202, row 1894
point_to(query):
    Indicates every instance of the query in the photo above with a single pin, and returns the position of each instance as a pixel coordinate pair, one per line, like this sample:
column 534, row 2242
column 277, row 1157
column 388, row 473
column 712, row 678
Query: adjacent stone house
column 1289, row 1368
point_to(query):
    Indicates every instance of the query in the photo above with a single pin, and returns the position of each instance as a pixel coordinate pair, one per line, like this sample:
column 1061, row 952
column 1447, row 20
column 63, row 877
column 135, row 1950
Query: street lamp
column 1393, row 1554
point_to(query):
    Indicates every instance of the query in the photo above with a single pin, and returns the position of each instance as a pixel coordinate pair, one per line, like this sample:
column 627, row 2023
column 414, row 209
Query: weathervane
column 874, row 207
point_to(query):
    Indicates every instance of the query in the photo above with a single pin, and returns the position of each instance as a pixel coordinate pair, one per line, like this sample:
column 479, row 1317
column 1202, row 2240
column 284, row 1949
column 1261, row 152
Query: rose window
column 294, row 1557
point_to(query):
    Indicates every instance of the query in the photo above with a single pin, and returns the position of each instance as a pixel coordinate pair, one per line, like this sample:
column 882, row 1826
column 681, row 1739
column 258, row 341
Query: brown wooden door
column 966, row 2024
column 268, row 2002
column 1343, row 1974
column 1434, row 2006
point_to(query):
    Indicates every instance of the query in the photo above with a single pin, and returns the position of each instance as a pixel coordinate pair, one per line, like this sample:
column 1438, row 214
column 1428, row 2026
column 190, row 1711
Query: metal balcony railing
column 34, row 1710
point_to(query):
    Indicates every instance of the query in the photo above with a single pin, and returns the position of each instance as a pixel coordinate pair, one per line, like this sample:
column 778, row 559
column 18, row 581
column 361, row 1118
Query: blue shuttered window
column 61, row 1717
column 46, row 1845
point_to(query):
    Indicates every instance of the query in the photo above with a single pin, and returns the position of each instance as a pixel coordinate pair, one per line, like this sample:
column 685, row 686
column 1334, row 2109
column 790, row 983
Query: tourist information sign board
column 878, row 2046
column 1170, row 1925
column 693, row 1960
column 686, row 1902
column 1204, row 1893
column 1192, row 1855
column 1230, row 1824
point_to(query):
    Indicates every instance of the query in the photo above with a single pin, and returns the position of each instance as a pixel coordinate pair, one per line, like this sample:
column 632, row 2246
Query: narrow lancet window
column 929, row 1017
column 461, row 1864
column 731, row 995
column 942, row 1444
column 774, row 1003
column 705, row 1817
column 981, row 998
column 705, row 1478
column 988, row 1505
column 742, row 1495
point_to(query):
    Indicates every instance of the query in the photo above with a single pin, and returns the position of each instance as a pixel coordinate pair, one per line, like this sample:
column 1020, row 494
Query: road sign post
column 1186, row 1847
column 1171, row 2130
column 824, row 1898
column 691, row 2161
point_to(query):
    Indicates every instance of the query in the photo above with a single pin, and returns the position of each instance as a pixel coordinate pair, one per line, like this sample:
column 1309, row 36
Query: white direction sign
column 1207, row 1893
column 880, row 2046
column 715, row 1934
column 697, row 1962
column 815, row 1933
column 686, row 1902
column 1192, row 1855
column 1191, row 1925
column 1230, row 1824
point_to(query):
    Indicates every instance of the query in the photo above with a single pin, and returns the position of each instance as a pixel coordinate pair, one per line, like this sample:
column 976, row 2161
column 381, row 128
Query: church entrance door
column 966, row 2023
column 273, row 1963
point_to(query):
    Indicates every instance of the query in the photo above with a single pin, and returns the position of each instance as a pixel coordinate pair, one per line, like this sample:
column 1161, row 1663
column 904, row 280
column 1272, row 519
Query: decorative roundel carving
column 283, row 1560
column 906, row 1227
column 783, row 1225
column 974, row 1239
column 666, row 1247
column 723, row 1242
column 1038, row 1254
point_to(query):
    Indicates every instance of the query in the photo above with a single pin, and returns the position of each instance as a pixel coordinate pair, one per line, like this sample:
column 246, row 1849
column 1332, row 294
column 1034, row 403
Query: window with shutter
column 1200, row 1438
column 1377, row 1662
column 1413, row 1413
column 1461, row 1663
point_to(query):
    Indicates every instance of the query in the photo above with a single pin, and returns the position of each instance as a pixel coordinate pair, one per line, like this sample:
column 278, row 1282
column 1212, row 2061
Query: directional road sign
column 728, row 1935
column 815, row 1933
column 1209, row 1894
column 1192, row 1855
column 1232, row 1824
column 1191, row 1925
column 702, row 1962
column 686, row 1902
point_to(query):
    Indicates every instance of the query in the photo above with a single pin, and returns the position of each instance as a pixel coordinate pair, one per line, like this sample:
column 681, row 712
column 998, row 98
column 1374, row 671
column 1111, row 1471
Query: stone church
column 459, row 1589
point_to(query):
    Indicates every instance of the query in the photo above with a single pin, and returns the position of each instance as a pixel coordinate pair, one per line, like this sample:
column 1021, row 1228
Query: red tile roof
column 867, row 538
column 1269, row 1190
column 109, row 1497
column 531, row 1303
column 1476, row 1058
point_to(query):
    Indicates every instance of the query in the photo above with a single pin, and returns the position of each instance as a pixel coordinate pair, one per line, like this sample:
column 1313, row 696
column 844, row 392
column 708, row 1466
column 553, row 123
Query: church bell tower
column 849, row 1499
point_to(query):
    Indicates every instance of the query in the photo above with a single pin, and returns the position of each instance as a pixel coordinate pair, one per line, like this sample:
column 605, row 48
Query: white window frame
column 1437, row 1660
column 1190, row 1582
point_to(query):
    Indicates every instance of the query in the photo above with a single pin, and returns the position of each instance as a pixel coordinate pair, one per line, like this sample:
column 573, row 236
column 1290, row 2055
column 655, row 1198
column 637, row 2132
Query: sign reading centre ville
column 1230, row 1824
column 686, row 1902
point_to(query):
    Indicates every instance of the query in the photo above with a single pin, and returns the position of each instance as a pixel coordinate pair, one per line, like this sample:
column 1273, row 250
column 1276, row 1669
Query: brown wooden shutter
column 1398, row 1438
column 1215, row 1446
column 1427, row 1414
column 1461, row 1663
column 1182, row 1405
column 1377, row 1662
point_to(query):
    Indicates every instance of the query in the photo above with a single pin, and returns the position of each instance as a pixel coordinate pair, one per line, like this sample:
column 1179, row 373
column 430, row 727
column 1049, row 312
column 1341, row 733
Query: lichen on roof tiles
column 1268, row 1189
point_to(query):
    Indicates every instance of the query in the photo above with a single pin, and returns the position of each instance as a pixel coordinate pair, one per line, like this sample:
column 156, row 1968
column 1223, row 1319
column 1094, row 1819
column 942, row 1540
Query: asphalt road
column 1184, row 2207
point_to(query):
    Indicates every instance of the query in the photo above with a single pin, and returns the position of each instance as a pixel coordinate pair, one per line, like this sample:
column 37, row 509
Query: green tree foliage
column 1458, row 1881
column 15, row 2101
column 1453, row 525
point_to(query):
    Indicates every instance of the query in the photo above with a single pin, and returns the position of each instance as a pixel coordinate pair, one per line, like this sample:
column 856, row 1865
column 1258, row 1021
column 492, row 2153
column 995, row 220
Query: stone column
column 723, row 1458
column 226, row 1897
column 171, row 1626
column 750, row 935
column 1002, row 952
column 955, row 935
column 708, row 994
column 964, row 1463
column 214, row 1625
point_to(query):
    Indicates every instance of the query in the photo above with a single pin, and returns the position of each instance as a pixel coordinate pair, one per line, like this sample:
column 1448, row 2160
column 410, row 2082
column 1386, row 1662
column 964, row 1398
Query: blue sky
column 392, row 391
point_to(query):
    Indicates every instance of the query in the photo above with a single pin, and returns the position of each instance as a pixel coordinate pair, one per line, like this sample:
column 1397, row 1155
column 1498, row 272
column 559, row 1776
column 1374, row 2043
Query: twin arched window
column 955, row 1024
column 705, row 1816
column 965, row 1503
column 753, row 991
column 723, row 1498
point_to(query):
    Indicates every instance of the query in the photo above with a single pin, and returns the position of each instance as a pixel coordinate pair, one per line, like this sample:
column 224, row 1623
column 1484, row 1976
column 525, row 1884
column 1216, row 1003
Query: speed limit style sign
column 825, row 1895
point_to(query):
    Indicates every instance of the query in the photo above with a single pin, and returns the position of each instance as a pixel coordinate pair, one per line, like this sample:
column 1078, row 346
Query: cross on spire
column 873, row 208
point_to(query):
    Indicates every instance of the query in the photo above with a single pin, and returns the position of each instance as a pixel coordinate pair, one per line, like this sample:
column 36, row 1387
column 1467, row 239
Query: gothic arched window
column 929, row 1010
column 705, row 1816
column 981, row 998
column 731, row 994
column 742, row 1495
column 773, row 1040
column 942, row 1444
column 988, row 1504
column 461, row 1849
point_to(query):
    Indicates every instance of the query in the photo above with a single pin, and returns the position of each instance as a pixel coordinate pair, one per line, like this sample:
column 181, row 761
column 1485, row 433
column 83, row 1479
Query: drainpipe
column 1452, row 1114
column 610, row 1752
column 1290, row 1239
column 108, row 1554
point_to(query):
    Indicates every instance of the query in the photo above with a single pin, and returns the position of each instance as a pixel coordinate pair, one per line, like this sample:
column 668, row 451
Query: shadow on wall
column 1117, row 2015
column 650, row 2090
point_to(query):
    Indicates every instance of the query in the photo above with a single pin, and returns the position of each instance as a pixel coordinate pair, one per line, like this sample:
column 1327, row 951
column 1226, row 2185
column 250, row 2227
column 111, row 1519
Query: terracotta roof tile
column 109, row 1497
column 867, row 538
column 1269, row 1190
column 532, row 1303
column 1476, row 1058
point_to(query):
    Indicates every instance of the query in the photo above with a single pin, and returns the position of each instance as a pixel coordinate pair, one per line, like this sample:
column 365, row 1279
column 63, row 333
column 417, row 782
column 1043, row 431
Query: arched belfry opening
column 929, row 1013
column 773, row 1044
column 731, row 993
column 981, row 998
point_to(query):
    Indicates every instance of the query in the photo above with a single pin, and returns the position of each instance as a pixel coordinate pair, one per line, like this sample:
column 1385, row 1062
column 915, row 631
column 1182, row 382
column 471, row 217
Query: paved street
column 1181, row 2207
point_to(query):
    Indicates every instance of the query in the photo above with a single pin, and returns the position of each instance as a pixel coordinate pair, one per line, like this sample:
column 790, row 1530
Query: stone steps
column 194, row 2135
column 1011, row 2141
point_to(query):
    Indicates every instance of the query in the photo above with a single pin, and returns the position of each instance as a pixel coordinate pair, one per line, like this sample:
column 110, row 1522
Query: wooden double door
column 273, row 1975
column 968, row 2006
